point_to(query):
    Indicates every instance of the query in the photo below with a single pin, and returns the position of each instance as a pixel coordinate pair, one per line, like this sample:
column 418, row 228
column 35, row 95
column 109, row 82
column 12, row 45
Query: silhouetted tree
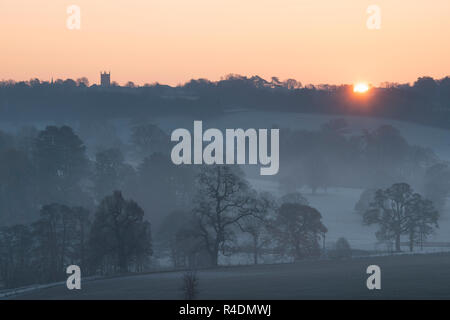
column 18, row 188
column 224, row 198
column 365, row 199
column 83, row 82
column 120, row 231
column 297, row 229
column 178, row 235
column 398, row 211
column 61, row 163
column 81, row 235
column 55, row 233
column 161, row 186
column 17, row 264
column 385, row 151
column 111, row 172
column 342, row 249
column 317, row 172
column 256, row 225
column 24, row 140
column 294, row 197
column 148, row 139
column 437, row 184
column 423, row 219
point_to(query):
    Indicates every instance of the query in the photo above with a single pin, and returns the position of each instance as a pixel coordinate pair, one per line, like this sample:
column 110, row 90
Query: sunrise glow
column 360, row 87
column 172, row 42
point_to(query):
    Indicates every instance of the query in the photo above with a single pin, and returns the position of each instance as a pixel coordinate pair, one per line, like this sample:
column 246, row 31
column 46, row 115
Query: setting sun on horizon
column 361, row 87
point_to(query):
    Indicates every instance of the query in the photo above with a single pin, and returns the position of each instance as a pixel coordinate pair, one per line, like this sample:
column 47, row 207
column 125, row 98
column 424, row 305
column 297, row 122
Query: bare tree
column 422, row 220
column 55, row 234
column 224, row 198
column 256, row 224
column 398, row 211
column 178, row 236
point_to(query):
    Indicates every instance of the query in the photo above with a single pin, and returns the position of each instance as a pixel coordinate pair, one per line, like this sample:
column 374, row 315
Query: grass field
column 402, row 277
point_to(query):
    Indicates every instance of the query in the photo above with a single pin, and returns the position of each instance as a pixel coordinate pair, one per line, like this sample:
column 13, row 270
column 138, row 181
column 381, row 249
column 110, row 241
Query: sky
column 173, row 41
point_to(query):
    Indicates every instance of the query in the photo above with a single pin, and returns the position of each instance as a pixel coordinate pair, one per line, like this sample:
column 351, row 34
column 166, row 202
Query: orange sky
column 172, row 41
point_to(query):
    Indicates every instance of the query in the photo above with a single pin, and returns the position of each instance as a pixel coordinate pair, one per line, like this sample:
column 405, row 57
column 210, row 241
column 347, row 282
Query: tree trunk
column 215, row 259
column 215, row 255
column 255, row 250
column 82, row 243
column 122, row 261
column 397, row 243
column 421, row 240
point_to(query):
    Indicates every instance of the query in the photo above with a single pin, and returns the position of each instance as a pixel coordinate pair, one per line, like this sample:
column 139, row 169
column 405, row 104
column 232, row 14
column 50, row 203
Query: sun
column 361, row 87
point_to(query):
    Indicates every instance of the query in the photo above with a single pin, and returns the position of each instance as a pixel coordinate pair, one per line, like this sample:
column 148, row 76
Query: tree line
column 115, row 239
column 425, row 101
column 333, row 156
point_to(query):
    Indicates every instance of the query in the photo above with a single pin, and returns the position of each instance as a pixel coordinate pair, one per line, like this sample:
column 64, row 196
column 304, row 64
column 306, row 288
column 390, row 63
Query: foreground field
column 402, row 277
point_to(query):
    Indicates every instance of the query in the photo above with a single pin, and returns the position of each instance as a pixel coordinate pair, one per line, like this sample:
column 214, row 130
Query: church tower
column 105, row 79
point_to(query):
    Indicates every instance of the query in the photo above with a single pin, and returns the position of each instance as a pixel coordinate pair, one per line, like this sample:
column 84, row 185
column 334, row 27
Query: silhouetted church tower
column 105, row 79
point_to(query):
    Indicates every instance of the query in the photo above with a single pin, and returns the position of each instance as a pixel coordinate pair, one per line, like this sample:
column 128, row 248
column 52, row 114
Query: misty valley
column 166, row 193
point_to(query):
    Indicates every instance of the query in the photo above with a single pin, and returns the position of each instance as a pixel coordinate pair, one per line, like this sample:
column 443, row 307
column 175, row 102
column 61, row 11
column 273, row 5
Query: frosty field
column 402, row 277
